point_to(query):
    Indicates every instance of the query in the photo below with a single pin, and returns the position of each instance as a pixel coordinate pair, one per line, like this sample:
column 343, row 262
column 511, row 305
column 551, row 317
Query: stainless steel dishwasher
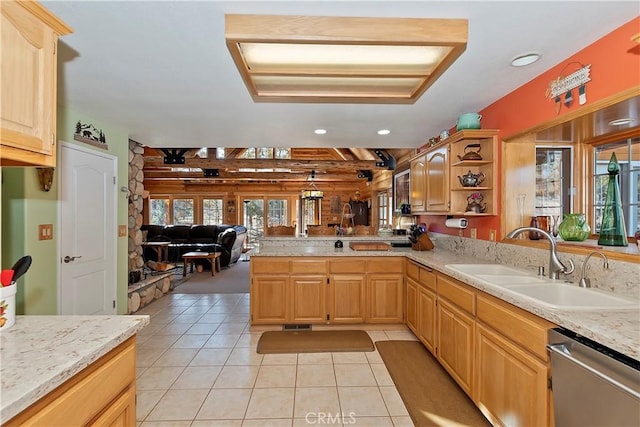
column 592, row 384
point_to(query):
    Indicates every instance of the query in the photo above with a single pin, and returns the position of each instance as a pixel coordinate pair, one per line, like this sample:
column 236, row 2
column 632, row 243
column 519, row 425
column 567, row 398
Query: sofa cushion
column 203, row 233
column 178, row 233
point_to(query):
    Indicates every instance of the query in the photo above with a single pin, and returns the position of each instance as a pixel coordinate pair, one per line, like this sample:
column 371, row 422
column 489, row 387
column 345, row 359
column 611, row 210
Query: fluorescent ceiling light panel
column 342, row 59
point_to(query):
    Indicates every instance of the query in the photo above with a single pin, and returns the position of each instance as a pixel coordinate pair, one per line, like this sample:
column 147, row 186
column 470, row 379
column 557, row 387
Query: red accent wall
column 615, row 67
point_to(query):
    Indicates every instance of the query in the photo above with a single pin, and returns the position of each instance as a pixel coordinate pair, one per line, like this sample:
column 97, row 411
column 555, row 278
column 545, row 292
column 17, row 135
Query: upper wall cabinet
column 28, row 83
column 458, row 176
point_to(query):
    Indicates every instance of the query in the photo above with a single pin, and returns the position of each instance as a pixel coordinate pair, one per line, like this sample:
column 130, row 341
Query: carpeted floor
column 314, row 341
column 231, row 280
column 429, row 393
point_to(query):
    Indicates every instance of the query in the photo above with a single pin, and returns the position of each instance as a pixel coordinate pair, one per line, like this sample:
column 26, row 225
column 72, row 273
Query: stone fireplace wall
column 137, row 194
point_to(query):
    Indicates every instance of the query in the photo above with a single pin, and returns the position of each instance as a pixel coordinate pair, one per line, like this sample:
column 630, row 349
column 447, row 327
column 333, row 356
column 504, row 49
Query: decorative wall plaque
column 91, row 135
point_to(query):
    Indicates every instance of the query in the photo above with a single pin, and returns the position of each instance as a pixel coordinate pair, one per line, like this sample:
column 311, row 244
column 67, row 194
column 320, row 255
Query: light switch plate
column 473, row 233
column 492, row 235
column 45, row 232
column 122, row 231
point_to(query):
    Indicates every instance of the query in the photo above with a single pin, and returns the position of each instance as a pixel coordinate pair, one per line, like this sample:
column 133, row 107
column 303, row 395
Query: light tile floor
column 198, row 366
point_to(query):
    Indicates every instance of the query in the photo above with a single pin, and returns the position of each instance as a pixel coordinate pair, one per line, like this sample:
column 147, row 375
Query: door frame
column 114, row 234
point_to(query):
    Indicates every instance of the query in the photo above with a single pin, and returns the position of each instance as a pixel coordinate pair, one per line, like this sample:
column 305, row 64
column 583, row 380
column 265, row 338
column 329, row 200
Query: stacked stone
column 137, row 194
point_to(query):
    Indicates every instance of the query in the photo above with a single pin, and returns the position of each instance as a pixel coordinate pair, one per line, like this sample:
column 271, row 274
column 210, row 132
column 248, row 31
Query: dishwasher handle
column 562, row 351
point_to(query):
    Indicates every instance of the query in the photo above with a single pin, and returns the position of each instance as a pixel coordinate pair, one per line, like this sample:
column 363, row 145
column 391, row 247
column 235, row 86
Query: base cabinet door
column 269, row 299
column 455, row 343
column 346, row 298
column 411, row 309
column 121, row 413
column 427, row 318
column 384, row 298
column 511, row 386
column 308, row 298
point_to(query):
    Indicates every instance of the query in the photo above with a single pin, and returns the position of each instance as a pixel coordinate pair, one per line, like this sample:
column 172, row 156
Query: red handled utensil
column 6, row 277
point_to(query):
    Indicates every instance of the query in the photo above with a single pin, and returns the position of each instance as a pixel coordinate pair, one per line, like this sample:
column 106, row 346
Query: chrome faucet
column 584, row 281
column 555, row 265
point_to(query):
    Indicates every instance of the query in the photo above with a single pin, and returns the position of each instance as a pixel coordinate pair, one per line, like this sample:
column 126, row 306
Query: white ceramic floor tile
column 276, row 376
column 211, row 357
column 348, row 357
column 187, row 318
column 191, row 341
column 311, row 401
column 368, row 421
column 222, row 341
column 231, row 328
column 146, row 400
column 217, row 423
column 237, row 377
column 176, row 357
column 394, row 402
column 197, row 377
column 269, row 422
column 166, row 423
column 225, row 404
column 382, row 374
column 362, row 401
column 147, row 357
column 160, row 341
column 280, row 359
column 178, row 405
column 202, row 328
column 158, row 378
column 402, row 421
column 354, row 375
column 174, row 328
column 244, row 356
column 212, row 318
column 401, row 335
column 315, row 376
column 315, row 359
column 271, row 403
column 373, row 357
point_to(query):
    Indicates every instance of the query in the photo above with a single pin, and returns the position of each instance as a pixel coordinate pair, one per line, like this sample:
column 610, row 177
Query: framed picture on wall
column 401, row 189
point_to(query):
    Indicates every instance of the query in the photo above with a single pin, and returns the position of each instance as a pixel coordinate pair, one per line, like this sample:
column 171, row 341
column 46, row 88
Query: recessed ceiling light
column 320, row 131
column 525, row 59
column 384, row 132
column 620, row 122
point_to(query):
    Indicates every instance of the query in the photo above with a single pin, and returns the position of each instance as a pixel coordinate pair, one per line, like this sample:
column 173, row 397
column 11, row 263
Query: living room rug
column 429, row 393
column 231, row 280
column 314, row 341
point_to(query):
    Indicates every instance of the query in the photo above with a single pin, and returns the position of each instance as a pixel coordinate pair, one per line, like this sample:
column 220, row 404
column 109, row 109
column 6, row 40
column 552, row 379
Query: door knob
column 68, row 258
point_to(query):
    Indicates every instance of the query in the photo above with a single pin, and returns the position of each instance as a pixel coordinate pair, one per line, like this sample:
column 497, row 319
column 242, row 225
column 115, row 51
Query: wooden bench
column 212, row 257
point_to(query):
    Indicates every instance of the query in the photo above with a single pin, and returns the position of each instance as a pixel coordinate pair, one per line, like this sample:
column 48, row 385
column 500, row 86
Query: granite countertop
column 616, row 329
column 39, row 353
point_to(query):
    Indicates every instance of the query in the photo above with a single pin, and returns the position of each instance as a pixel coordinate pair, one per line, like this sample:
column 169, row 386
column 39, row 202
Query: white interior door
column 87, row 231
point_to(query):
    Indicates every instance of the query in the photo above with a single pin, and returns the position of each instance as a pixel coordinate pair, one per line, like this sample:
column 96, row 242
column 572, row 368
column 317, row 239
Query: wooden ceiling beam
column 301, row 165
column 160, row 175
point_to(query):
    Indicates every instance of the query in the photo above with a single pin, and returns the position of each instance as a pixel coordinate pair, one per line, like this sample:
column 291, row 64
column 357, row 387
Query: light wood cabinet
column 420, row 311
column 437, row 180
column 326, row 290
column 455, row 343
column 102, row 394
column 485, row 143
column 511, row 342
column 28, row 83
column 411, row 305
column 418, row 184
column 427, row 318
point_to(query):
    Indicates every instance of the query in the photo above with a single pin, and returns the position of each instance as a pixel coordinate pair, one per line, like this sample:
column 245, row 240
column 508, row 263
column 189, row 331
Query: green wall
column 25, row 206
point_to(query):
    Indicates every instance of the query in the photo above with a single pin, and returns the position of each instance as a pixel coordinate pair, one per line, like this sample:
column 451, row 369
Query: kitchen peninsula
column 60, row 370
column 617, row 329
column 490, row 339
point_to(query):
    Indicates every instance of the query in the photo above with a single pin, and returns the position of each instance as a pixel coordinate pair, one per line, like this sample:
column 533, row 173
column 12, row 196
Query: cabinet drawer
column 385, row 265
column 304, row 266
column 457, row 293
column 413, row 270
column 427, row 278
column 523, row 328
column 87, row 394
column 346, row 266
column 262, row 265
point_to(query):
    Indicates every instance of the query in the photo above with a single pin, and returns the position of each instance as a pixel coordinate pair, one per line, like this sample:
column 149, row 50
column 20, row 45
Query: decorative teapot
column 471, row 155
column 471, row 179
column 474, row 203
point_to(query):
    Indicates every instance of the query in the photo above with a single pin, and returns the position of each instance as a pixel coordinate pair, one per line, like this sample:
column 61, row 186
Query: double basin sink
column 550, row 293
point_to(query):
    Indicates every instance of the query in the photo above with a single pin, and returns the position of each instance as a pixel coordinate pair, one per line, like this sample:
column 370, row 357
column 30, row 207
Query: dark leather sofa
column 223, row 238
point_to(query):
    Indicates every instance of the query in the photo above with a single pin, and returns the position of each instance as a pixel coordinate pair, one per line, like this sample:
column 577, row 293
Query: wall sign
column 89, row 134
column 563, row 86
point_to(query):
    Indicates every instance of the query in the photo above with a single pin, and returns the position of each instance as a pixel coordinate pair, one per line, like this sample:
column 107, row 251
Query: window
column 159, row 212
column 183, row 211
column 553, row 181
column 212, row 212
column 628, row 155
column 277, row 212
column 384, row 208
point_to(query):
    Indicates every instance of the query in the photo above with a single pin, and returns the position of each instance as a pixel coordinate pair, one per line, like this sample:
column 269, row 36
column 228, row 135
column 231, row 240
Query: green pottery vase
column 574, row 228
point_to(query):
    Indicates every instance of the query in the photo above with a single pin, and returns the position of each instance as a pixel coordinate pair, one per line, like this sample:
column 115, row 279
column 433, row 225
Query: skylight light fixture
column 320, row 131
column 342, row 59
column 524, row 60
column 384, row 132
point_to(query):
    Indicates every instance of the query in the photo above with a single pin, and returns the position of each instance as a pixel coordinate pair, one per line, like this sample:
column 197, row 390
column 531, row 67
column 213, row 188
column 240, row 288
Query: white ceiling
column 161, row 69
